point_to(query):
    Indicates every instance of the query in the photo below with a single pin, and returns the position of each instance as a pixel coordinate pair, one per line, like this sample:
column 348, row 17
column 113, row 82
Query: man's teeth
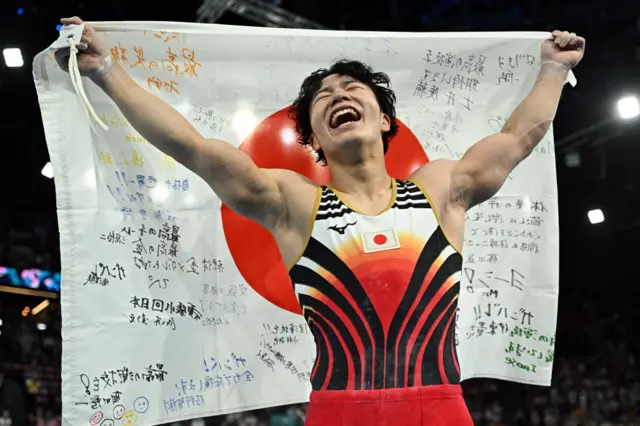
column 341, row 112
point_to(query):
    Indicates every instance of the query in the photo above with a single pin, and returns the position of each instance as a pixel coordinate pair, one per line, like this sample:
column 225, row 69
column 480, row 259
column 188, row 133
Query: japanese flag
column 380, row 240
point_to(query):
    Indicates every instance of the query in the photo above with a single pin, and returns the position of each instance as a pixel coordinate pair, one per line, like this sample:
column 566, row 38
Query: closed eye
column 320, row 96
column 351, row 86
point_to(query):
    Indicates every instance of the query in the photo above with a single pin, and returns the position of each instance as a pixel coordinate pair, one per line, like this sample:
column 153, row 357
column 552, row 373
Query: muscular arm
column 240, row 184
column 456, row 186
column 485, row 167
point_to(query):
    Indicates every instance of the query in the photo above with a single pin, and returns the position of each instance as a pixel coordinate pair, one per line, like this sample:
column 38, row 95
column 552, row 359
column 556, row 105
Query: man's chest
column 392, row 230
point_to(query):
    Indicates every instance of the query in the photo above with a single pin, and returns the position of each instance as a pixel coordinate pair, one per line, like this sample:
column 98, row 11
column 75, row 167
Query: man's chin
column 344, row 134
column 349, row 138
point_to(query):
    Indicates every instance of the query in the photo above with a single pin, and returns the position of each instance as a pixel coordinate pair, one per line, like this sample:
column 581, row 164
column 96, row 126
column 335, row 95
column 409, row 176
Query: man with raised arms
column 375, row 261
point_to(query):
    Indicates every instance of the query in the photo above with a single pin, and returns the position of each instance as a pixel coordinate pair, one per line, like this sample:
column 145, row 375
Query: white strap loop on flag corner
column 73, row 40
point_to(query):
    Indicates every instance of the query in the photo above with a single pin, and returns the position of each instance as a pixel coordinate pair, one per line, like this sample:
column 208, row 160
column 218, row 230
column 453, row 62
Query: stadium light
column 595, row 216
column 13, row 57
column 41, row 326
column 47, row 170
column 628, row 107
column 40, row 307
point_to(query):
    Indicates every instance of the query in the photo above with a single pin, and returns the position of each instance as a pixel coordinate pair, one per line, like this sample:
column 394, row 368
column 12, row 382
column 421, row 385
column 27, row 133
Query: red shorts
column 439, row 405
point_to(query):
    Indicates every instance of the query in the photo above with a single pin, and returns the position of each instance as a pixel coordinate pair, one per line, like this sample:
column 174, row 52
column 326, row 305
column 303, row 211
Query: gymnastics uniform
column 380, row 296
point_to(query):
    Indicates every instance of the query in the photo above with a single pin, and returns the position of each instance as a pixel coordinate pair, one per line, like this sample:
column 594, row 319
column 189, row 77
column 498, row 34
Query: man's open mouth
column 343, row 116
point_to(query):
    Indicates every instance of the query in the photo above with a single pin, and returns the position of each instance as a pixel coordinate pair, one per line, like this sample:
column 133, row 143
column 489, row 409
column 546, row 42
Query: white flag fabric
column 173, row 307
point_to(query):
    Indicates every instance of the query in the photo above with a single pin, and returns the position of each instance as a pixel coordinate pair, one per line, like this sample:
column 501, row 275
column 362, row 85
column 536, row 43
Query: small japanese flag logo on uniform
column 380, row 241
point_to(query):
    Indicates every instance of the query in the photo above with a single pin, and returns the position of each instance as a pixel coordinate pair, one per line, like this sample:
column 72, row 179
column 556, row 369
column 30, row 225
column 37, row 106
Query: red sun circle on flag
column 270, row 145
column 379, row 239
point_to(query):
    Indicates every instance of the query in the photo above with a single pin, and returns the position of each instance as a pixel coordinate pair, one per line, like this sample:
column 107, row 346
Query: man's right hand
column 93, row 53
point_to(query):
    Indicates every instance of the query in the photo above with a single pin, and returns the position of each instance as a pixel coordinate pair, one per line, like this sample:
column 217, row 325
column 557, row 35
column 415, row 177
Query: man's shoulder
column 433, row 170
column 287, row 176
column 435, row 179
column 289, row 181
column 300, row 194
column 301, row 197
column 435, row 176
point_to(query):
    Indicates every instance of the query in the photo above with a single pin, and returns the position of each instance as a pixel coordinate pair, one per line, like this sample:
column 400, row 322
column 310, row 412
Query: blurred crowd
column 596, row 379
column 25, row 245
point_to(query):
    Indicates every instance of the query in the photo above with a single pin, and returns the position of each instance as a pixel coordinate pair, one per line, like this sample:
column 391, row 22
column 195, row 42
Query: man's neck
column 361, row 179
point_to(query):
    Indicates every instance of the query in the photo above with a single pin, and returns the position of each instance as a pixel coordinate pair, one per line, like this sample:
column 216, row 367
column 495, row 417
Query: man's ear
column 314, row 143
column 386, row 123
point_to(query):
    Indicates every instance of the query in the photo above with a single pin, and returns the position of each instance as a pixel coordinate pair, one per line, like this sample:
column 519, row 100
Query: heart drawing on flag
column 273, row 144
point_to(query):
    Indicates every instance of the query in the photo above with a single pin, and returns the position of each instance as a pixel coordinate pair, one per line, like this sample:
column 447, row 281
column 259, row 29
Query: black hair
column 378, row 82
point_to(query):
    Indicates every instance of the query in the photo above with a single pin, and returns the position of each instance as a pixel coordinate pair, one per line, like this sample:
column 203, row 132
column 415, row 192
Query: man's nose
column 340, row 96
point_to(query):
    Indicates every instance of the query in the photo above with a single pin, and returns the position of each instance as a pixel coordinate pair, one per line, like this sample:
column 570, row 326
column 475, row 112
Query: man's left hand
column 564, row 47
